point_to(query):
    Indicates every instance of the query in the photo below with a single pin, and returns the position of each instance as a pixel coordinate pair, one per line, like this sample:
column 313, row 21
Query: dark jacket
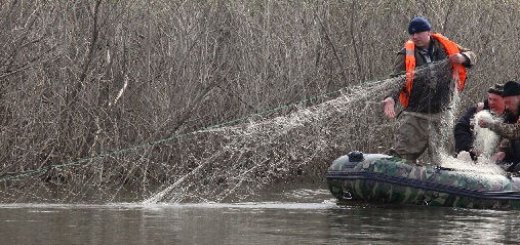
column 433, row 86
column 463, row 130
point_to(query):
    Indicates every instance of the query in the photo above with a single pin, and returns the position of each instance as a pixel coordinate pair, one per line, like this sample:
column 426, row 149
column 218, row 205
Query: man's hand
column 485, row 122
column 388, row 107
column 457, row 58
column 480, row 106
column 498, row 157
column 474, row 154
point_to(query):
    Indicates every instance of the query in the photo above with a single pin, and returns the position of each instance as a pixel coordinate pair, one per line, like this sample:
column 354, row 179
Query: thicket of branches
column 82, row 78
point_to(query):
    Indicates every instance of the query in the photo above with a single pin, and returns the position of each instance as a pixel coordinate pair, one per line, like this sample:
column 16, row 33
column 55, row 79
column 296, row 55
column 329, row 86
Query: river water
column 308, row 217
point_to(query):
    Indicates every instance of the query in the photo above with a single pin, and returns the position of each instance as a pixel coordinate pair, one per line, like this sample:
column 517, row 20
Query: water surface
column 286, row 222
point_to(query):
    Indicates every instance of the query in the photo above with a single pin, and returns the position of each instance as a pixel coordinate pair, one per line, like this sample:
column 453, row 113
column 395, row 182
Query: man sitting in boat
column 463, row 130
column 510, row 128
column 427, row 91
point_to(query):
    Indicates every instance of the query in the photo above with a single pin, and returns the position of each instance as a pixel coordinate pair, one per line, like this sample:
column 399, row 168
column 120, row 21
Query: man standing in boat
column 428, row 89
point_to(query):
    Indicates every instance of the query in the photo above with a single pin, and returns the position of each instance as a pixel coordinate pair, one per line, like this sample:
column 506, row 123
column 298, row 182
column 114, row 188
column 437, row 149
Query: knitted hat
column 511, row 88
column 419, row 24
column 498, row 89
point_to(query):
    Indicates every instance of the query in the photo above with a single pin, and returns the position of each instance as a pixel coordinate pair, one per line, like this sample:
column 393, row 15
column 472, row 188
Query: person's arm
column 398, row 70
column 504, row 145
column 503, row 154
column 510, row 131
column 463, row 131
column 393, row 95
column 470, row 58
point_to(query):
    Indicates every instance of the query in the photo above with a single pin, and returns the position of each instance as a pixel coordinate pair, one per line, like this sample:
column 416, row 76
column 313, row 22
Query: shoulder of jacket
column 436, row 42
column 472, row 110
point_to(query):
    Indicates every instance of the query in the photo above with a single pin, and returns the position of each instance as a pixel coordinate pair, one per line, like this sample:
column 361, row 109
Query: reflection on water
column 316, row 222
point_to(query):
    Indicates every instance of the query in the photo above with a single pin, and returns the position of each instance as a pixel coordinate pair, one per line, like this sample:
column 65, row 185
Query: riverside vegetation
column 103, row 88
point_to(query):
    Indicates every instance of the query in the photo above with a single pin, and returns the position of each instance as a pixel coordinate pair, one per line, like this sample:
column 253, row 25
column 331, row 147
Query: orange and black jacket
column 430, row 90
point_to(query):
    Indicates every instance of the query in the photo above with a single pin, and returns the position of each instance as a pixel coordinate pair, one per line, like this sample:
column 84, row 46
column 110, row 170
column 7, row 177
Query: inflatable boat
column 383, row 179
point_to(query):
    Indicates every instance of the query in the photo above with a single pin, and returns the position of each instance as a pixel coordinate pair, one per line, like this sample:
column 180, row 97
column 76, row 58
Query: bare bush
column 99, row 80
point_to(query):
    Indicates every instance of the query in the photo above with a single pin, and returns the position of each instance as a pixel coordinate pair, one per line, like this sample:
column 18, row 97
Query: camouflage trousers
column 418, row 132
